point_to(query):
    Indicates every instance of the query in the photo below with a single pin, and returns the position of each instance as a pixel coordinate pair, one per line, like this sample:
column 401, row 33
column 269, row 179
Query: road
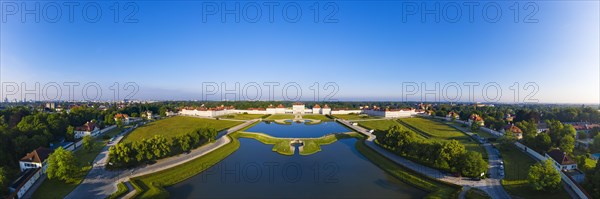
column 100, row 183
column 492, row 186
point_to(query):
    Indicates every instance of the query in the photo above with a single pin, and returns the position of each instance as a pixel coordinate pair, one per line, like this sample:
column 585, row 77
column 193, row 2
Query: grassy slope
column 476, row 194
column 175, row 126
column 121, row 191
column 517, row 165
column 58, row 189
column 441, row 131
column 381, row 125
column 437, row 189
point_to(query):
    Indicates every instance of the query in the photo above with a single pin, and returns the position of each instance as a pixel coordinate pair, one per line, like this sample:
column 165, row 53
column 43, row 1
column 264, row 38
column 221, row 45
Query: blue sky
column 369, row 51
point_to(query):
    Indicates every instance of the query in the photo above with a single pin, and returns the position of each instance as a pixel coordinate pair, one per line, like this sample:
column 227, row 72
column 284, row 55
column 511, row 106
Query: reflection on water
column 254, row 171
column 298, row 130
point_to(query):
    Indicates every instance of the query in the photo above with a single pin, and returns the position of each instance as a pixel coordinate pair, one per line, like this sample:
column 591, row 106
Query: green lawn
column 380, row 125
column 476, row 194
column 151, row 185
column 121, row 191
column 516, row 166
column 434, row 129
column 435, row 188
column 242, row 116
column 589, row 163
column 280, row 117
column 316, row 117
column 59, row 189
column 175, row 126
column 356, row 117
column 442, row 131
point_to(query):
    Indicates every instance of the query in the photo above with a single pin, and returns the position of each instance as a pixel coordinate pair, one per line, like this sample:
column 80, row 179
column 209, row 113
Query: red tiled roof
column 88, row 126
column 119, row 116
column 316, row 106
column 326, row 106
column 38, row 155
column 298, row 103
column 280, row 106
column 512, row 128
column 476, row 117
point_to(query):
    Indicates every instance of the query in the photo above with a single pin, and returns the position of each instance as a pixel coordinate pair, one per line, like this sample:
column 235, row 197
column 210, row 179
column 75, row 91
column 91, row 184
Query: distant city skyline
column 169, row 49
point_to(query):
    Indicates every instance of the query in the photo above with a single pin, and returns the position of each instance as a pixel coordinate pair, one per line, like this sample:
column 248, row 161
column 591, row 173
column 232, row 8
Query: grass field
column 380, row 125
column 280, row 117
column 151, row 185
column 441, row 131
column 516, row 164
column 175, row 126
column 316, row 117
column 121, row 191
column 242, row 116
column 435, row 188
column 476, row 194
column 59, row 189
column 356, row 117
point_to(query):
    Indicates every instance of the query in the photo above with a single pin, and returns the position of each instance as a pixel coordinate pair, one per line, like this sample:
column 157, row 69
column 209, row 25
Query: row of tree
column 447, row 155
column 558, row 136
column 148, row 150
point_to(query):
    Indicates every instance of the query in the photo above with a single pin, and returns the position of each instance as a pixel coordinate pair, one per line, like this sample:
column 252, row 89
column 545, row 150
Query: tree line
column 446, row 155
column 131, row 154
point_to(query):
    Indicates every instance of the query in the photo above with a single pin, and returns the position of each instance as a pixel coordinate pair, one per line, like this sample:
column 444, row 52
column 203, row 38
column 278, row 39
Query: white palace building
column 297, row 109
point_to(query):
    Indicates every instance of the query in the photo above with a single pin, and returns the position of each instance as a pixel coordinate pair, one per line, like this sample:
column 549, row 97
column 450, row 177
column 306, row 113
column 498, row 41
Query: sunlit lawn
column 175, row 126
column 516, row 166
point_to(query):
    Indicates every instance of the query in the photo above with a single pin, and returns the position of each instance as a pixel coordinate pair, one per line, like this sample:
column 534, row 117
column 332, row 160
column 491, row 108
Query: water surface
column 254, row 171
column 298, row 130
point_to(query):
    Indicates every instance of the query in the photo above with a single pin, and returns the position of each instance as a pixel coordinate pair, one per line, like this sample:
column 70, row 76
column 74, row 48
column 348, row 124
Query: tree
column 451, row 152
column 593, row 181
column 3, row 181
column 119, row 123
column 475, row 126
column 567, row 144
column 70, row 135
column 61, row 165
column 544, row 177
column 87, row 142
column 543, row 141
column 162, row 111
column 472, row 164
column 596, row 143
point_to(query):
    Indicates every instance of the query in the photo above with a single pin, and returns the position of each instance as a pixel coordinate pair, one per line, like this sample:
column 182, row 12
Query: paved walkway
column 100, row 183
column 491, row 186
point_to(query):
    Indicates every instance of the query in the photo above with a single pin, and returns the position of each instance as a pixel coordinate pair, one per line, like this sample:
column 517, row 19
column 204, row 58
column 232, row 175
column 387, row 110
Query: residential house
column 35, row 159
column 452, row 116
column 89, row 128
column 33, row 166
column 476, row 118
column 123, row 117
column 561, row 159
column 517, row 132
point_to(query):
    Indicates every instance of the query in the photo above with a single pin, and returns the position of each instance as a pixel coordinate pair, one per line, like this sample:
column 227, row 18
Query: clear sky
column 370, row 49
